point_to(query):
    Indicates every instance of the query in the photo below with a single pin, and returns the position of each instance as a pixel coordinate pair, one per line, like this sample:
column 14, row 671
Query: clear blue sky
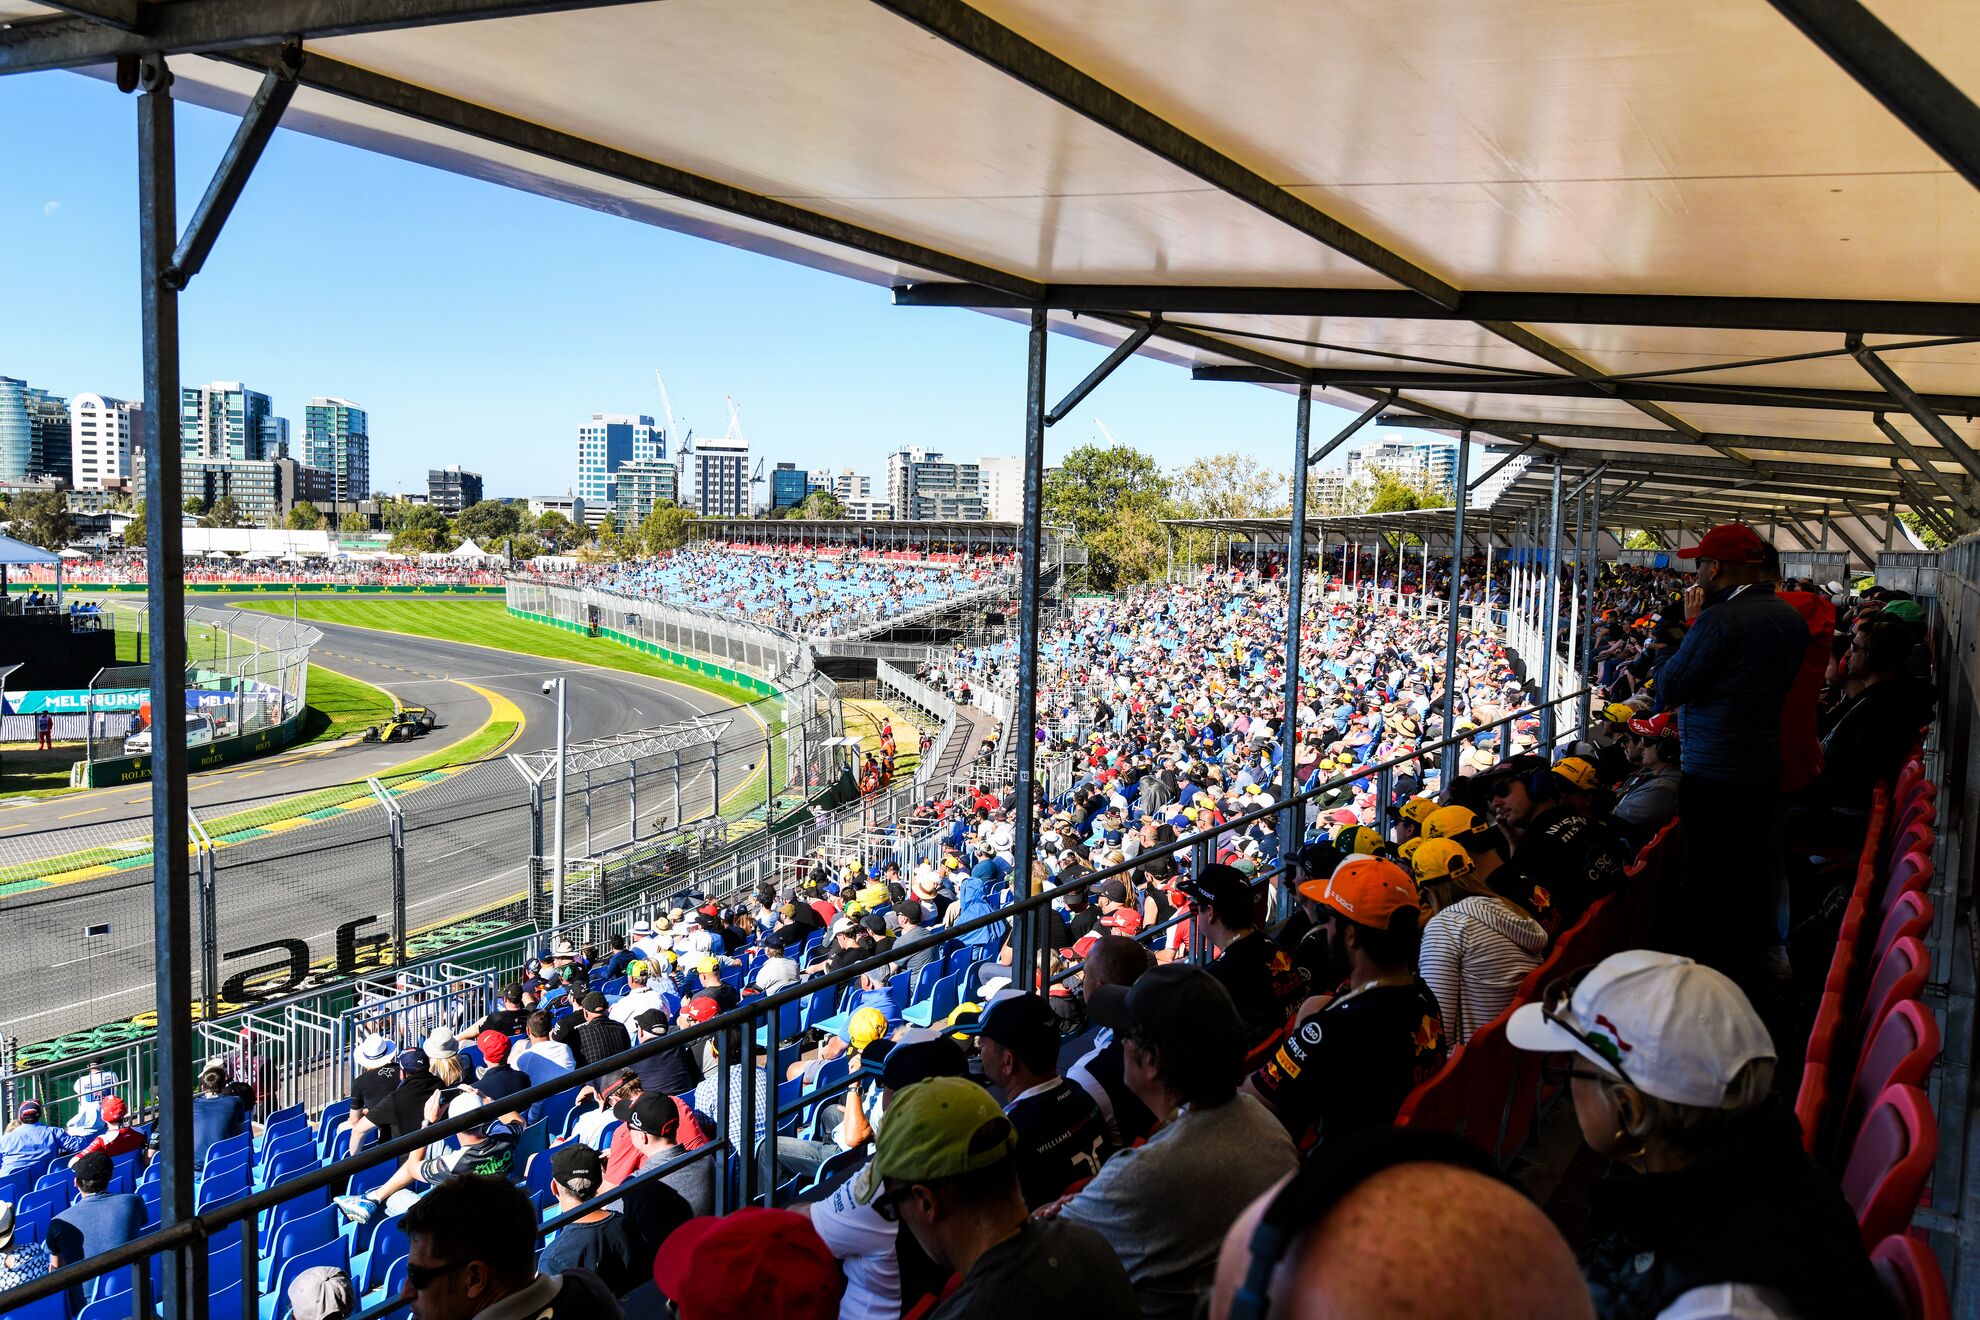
column 480, row 325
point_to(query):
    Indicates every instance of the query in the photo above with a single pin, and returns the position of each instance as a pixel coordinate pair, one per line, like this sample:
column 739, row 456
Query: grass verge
column 340, row 706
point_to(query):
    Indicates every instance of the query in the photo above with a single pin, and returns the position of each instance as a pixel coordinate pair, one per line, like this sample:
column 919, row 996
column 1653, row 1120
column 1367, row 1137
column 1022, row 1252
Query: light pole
column 557, row 846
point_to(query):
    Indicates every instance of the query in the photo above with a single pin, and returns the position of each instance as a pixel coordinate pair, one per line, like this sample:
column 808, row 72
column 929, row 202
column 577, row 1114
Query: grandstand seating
column 804, row 593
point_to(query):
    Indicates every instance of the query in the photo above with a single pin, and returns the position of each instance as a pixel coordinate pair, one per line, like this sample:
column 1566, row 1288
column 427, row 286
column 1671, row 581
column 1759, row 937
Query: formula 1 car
column 411, row 722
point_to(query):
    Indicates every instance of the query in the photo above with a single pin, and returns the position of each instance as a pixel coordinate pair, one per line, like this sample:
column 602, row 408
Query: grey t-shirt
column 1049, row 1268
column 1165, row 1206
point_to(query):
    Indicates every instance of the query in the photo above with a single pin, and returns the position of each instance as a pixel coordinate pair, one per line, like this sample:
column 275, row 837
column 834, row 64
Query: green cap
column 1910, row 611
column 937, row 1129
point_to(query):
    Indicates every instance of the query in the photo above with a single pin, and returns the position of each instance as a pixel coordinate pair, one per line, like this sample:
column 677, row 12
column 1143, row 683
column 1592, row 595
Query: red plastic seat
column 1811, row 1105
column 1887, row 1161
column 1911, row 871
column 1911, row 1272
column 1917, row 837
column 1909, row 915
column 1899, row 975
column 1822, row 1040
column 1919, row 811
column 1899, row 1053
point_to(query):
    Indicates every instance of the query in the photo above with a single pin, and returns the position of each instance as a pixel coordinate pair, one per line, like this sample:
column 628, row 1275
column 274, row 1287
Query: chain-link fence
column 685, row 633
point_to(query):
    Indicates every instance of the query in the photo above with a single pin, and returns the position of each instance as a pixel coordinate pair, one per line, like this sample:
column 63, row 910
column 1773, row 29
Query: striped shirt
column 1474, row 955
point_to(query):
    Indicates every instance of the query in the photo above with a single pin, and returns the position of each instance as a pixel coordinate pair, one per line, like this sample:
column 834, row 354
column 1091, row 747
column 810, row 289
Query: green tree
column 525, row 546
column 225, row 512
column 355, row 523
column 1226, row 486
column 195, row 505
column 1640, row 540
column 1923, row 530
column 818, row 504
column 666, row 527
column 305, row 518
column 134, row 531
column 394, row 513
column 415, row 541
column 555, row 529
column 487, row 523
column 1114, row 498
column 42, row 517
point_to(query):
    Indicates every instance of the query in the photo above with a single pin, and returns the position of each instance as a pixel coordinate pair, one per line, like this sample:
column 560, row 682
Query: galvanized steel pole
column 1549, row 612
column 1030, row 949
column 1451, row 623
column 1289, row 828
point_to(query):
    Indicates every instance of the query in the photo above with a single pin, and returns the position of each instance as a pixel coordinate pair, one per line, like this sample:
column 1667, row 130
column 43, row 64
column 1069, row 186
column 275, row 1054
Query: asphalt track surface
column 466, row 832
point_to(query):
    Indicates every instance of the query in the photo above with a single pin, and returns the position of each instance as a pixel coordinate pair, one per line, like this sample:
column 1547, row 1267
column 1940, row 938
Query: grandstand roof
column 1629, row 236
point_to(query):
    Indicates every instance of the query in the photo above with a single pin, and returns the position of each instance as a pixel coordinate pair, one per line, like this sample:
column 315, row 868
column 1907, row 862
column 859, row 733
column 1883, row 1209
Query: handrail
column 743, row 1020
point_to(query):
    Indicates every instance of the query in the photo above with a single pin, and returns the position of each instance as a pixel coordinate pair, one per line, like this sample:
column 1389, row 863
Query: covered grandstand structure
column 1691, row 262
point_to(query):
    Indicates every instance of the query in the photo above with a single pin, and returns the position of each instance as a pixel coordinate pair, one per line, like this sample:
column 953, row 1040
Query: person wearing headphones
column 1563, row 859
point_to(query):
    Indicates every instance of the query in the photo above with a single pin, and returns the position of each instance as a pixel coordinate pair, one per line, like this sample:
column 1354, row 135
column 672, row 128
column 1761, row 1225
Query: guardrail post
column 209, row 920
column 395, row 818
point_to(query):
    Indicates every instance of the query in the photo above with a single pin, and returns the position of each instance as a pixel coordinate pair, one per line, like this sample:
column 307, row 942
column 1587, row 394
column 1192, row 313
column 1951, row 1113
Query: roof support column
column 1577, row 508
column 1550, row 614
column 1594, row 559
column 185, row 1283
column 1451, row 609
column 1894, row 385
column 1031, row 952
column 1367, row 415
column 1291, row 831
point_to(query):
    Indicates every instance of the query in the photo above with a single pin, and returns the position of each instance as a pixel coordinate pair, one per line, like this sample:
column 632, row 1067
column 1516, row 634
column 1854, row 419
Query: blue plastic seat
column 116, row 1307
column 363, row 1180
column 275, row 1305
column 62, row 1183
column 48, row 1308
column 303, row 1203
column 388, row 1244
column 395, row 1279
column 223, row 1150
column 939, row 1004
column 300, row 1235
column 289, row 1162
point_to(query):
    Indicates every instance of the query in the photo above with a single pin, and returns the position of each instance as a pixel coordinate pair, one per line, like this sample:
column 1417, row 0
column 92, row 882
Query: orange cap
column 1366, row 890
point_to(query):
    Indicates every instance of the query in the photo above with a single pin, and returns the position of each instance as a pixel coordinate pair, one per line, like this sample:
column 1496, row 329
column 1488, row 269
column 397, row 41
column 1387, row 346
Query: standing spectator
column 944, row 1165
column 472, row 1245
column 1711, row 1207
column 1648, row 799
column 1184, row 1058
column 1355, row 1054
column 1118, row 961
column 591, row 1033
column 20, row 1262
column 1258, row 974
column 1061, row 1136
column 44, row 732
column 601, row 1241
column 118, row 1136
column 1478, row 949
column 28, row 1142
column 1728, row 682
column 96, row 1221
column 714, row 1268
column 217, row 1113
column 322, row 1292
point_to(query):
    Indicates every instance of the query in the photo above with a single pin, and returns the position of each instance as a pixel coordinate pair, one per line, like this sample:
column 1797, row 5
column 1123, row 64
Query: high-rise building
column 50, row 449
column 256, row 485
column 605, row 444
column 105, row 431
column 337, row 440
column 849, row 485
column 224, row 419
column 451, row 489
column 922, row 486
column 721, row 476
column 641, row 484
column 16, row 432
column 1003, row 488
column 789, row 484
column 1431, row 463
column 274, row 437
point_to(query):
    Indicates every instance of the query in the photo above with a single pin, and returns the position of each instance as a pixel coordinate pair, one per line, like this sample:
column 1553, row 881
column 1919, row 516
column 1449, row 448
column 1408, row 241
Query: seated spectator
column 1478, row 948
column 620, row 956
column 322, row 1292
column 404, row 1110
column 1475, row 1249
column 1257, row 973
column 1871, row 732
column 472, row 1244
column 487, row 1148
column 887, row 1274
column 1711, row 1207
column 655, row 1126
column 497, row 1080
column 29, row 1143
column 20, row 1262
column 1357, row 1052
column 713, row 1269
column 378, row 1074
column 944, row 1165
column 591, row 1033
column 540, row 1058
column 1184, row 1058
column 640, row 994
column 673, row 1071
column 778, row 972
column 1563, row 859
column 118, row 1136
column 1062, row 1137
column 91, row 1090
column 874, row 995
column 1118, row 961
column 1647, row 800
column 596, row 1108
column 601, row 1241
column 217, row 1113
column 510, row 1017
column 97, row 1221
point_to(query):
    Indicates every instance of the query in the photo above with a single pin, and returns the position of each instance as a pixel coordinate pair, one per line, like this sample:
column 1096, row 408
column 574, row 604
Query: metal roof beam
column 1923, row 99
column 1939, row 479
column 1915, row 404
column 1815, row 315
column 1758, row 396
column 103, row 31
column 1646, row 435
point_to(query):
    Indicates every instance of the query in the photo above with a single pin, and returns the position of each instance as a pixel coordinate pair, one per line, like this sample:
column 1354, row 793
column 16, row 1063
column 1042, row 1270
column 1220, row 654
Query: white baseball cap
column 1666, row 1025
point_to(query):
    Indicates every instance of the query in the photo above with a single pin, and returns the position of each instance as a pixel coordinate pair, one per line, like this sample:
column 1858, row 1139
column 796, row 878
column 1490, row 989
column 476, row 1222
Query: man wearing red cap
column 1729, row 682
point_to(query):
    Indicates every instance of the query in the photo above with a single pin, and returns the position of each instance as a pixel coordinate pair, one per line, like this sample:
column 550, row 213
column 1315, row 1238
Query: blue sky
column 480, row 325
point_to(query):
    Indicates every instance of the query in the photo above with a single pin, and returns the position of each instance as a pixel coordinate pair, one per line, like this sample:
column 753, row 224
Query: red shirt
column 113, row 1144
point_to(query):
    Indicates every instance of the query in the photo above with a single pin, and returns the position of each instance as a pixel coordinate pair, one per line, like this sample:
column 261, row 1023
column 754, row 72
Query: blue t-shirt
column 215, row 1118
column 31, row 1144
column 93, row 1225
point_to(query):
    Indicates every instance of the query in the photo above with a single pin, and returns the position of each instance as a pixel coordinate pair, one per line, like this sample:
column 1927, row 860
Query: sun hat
column 864, row 1027
column 376, row 1051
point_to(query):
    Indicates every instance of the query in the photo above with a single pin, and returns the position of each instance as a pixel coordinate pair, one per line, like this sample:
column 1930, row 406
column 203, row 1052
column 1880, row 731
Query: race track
column 325, row 875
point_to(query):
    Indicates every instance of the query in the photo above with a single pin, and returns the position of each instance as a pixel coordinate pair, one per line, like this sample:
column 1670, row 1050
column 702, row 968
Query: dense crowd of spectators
column 366, row 568
column 1150, row 1135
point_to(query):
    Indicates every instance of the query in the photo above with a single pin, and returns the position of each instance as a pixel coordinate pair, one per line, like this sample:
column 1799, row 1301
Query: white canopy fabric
column 469, row 550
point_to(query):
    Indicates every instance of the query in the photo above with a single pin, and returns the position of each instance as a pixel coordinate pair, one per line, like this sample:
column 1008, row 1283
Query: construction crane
column 677, row 428
column 735, row 433
column 1107, row 433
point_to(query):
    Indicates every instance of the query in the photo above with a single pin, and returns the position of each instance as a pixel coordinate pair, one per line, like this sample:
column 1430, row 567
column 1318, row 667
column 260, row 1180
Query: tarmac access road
column 328, row 875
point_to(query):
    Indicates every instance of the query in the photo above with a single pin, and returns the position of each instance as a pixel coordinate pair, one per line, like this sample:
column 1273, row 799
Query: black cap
column 653, row 1020
column 593, row 1003
column 1173, row 1002
column 512, row 993
column 1113, row 889
column 578, row 1169
column 1223, row 889
column 874, row 922
column 655, row 1114
column 918, row 1062
column 1022, row 1023
column 93, row 1167
column 910, row 912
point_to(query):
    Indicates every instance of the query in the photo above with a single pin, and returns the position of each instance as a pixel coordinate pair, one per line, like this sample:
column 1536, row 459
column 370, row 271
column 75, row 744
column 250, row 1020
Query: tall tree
column 487, row 523
column 42, row 517
column 819, row 504
column 666, row 527
column 226, row 512
column 1227, row 486
column 354, row 523
column 1114, row 497
column 134, row 530
column 305, row 518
